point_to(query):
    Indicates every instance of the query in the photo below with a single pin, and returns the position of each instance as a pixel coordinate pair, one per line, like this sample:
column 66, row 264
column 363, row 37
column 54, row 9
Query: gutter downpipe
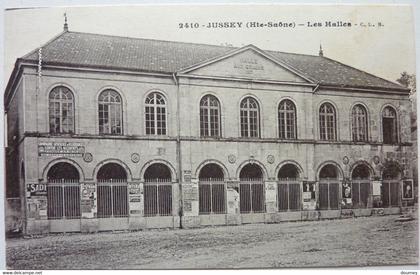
column 178, row 149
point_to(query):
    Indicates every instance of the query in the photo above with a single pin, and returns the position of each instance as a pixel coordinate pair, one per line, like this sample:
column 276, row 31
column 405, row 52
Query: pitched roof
column 105, row 51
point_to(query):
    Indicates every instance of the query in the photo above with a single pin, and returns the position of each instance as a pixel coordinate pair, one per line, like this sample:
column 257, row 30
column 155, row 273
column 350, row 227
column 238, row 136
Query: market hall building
column 116, row 133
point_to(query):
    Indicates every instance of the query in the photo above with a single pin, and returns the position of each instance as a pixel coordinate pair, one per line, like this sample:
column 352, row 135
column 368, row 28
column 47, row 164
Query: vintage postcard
column 210, row 136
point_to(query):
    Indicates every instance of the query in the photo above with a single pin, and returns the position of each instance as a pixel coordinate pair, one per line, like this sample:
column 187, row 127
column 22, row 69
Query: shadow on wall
column 14, row 222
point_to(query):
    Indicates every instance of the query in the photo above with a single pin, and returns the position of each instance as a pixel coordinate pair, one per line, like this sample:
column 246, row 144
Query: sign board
column 270, row 192
column 36, row 189
column 69, row 149
column 376, row 190
column 407, row 190
column 309, row 195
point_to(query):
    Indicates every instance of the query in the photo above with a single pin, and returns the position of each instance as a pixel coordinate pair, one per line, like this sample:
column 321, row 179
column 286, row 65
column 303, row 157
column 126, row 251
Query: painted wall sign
column 190, row 192
column 69, row 149
column 187, row 175
column 36, row 189
column 248, row 65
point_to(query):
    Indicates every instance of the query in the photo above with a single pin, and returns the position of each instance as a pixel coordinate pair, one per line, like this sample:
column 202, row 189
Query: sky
column 384, row 51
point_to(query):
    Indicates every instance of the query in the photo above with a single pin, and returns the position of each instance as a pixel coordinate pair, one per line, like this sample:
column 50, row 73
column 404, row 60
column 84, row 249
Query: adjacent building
column 114, row 133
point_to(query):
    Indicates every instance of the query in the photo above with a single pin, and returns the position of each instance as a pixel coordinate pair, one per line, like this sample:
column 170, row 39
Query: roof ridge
column 190, row 43
column 154, row 39
column 43, row 45
column 362, row 71
column 304, row 54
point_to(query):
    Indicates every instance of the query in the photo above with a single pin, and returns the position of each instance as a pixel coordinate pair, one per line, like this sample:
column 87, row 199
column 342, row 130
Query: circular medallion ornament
column 376, row 159
column 270, row 159
column 346, row 160
column 135, row 157
column 87, row 157
column 231, row 158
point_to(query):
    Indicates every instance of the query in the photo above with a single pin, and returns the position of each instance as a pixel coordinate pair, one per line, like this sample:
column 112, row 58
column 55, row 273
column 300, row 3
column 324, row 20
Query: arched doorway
column 390, row 188
column 112, row 191
column 211, row 190
column 63, row 192
column 329, row 187
column 251, row 189
column 288, row 188
column 360, row 186
column 157, row 190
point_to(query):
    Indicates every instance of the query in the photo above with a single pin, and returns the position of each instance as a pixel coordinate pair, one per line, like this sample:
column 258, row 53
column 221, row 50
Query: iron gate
column 158, row 197
column 212, row 196
column 288, row 194
column 63, row 199
column 328, row 194
column 251, row 196
column 360, row 193
column 112, row 198
column 390, row 193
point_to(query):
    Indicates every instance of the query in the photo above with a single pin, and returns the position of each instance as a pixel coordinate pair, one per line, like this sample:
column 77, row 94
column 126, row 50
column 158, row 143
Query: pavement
column 367, row 241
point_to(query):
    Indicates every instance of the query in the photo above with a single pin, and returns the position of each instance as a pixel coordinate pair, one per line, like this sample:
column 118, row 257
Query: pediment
column 247, row 63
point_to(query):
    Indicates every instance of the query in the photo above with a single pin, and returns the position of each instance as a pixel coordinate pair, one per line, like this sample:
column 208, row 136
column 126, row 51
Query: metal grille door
column 158, row 198
column 390, row 193
column 360, row 193
column 328, row 195
column 212, row 196
column 289, row 195
column 112, row 199
column 251, row 196
column 63, row 199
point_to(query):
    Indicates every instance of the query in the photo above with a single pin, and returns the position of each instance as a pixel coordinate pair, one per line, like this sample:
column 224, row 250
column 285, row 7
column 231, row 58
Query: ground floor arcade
column 66, row 202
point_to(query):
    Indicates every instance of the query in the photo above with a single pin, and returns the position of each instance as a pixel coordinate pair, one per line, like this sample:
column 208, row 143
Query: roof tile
column 98, row 50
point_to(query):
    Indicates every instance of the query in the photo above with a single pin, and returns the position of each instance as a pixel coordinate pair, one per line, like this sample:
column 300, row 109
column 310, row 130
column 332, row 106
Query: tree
column 409, row 81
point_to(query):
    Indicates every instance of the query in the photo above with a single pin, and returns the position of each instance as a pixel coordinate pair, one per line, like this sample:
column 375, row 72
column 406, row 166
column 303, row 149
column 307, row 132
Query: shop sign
column 69, row 149
column 36, row 189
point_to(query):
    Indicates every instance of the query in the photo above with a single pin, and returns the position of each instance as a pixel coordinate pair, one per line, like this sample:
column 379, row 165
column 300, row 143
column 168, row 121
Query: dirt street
column 350, row 242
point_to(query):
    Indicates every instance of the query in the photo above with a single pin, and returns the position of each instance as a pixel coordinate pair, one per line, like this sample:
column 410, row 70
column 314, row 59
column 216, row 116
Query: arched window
column 329, row 187
column 112, row 191
column 211, row 190
column 288, row 188
column 287, row 119
column 110, row 113
column 155, row 114
column 61, row 109
column 359, row 126
column 157, row 190
column 209, row 116
column 327, row 122
column 63, row 192
column 250, row 118
column 251, row 189
column 389, row 125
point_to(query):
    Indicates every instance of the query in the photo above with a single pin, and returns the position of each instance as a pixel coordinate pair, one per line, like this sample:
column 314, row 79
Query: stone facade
column 182, row 149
